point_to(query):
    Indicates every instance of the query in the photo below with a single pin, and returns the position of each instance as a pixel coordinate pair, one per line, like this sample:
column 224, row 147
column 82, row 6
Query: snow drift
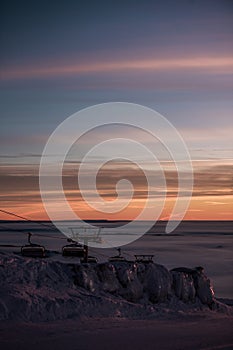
column 40, row 290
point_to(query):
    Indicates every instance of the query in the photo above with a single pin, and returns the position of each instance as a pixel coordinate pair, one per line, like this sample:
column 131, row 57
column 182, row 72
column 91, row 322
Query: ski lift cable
column 12, row 229
column 25, row 231
column 10, row 246
column 46, row 236
column 27, row 219
column 33, row 234
column 30, row 220
column 45, row 225
column 34, row 221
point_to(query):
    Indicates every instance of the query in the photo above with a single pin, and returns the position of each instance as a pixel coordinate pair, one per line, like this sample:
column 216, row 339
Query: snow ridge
column 40, row 290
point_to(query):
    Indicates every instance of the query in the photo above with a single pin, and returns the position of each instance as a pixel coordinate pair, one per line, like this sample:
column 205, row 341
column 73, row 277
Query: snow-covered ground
column 196, row 244
column 187, row 333
column 47, row 290
column 58, row 303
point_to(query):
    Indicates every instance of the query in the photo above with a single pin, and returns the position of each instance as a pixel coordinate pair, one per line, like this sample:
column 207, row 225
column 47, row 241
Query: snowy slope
column 43, row 289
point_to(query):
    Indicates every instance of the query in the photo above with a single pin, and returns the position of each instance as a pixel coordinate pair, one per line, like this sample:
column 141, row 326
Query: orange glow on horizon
column 201, row 208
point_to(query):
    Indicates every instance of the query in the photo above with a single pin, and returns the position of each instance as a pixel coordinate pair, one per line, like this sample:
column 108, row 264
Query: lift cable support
column 86, row 235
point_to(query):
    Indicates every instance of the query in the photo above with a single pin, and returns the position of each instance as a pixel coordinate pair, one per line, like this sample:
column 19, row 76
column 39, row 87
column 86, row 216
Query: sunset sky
column 172, row 56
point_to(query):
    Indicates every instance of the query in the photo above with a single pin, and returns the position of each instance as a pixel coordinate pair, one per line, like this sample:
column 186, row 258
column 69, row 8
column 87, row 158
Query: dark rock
column 86, row 277
column 108, row 279
column 157, row 283
column 183, row 286
column 132, row 289
column 204, row 289
column 190, row 282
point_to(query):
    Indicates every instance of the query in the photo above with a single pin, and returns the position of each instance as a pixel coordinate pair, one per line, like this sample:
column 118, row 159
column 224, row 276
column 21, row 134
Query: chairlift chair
column 33, row 250
column 89, row 260
column 117, row 258
column 73, row 249
column 86, row 234
column 144, row 258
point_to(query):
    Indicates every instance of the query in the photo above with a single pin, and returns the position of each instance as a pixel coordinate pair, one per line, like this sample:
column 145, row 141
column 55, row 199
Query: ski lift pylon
column 86, row 235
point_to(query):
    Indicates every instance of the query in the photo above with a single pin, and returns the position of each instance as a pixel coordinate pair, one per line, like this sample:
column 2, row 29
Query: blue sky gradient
column 59, row 57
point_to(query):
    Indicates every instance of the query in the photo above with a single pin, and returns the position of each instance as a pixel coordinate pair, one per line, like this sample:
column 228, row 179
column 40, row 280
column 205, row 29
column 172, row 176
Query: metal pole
column 85, row 259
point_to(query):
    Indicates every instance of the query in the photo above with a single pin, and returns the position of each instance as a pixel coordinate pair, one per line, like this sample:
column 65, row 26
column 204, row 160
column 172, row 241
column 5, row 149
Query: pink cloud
column 217, row 64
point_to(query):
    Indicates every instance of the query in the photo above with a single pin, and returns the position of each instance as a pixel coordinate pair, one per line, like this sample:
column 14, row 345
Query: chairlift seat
column 90, row 260
column 144, row 258
column 117, row 258
column 33, row 251
column 76, row 250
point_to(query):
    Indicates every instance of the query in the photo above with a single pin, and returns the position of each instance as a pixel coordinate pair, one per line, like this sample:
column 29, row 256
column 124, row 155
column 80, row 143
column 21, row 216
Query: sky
column 172, row 56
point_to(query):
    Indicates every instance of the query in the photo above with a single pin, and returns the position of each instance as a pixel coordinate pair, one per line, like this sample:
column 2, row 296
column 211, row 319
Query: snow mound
column 40, row 290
